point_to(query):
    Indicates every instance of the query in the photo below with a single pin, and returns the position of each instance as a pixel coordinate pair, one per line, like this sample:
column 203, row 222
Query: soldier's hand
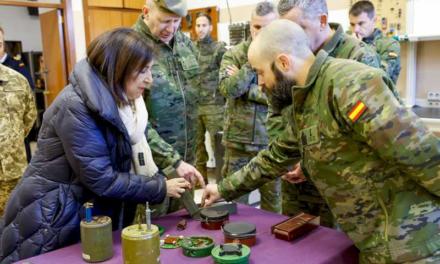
column 296, row 175
column 231, row 70
column 210, row 195
column 191, row 174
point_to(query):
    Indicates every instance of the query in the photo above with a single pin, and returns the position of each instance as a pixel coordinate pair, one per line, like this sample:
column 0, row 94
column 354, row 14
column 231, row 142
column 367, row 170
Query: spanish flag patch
column 357, row 110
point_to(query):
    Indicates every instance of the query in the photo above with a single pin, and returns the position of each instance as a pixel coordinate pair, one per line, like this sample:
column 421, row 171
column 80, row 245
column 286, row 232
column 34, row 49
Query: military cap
column 177, row 7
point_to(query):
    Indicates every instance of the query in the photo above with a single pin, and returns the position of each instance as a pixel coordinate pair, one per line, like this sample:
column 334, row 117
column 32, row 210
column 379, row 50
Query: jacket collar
column 94, row 92
column 206, row 40
column 330, row 46
column 377, row 33
column 300, row 92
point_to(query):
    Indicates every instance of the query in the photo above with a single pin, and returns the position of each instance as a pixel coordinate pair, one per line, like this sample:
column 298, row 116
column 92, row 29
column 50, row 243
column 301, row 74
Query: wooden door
column 101, row 20
column 106, row 3
column 135, row 4
column 53, row 53
column 129, row 18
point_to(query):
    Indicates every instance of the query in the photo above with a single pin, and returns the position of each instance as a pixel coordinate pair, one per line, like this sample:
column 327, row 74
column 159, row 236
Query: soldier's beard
column 280, row 95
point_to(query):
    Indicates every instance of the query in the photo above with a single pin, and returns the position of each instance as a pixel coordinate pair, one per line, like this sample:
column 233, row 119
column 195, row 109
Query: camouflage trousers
column 304, row 197
column 234, row 160
column 212, row 123
column 6, row 188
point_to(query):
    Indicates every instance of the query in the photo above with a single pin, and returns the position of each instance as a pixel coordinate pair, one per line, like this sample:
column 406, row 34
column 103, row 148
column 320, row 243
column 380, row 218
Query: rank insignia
column 357, row 110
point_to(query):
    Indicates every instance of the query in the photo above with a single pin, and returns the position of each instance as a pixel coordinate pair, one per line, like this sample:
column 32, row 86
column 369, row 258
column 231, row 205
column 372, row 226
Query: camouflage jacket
column 172, row 100
column 209, row 56
column 246, row 104
column 17, row 116
column 389, row 52
column 377, row 167
column 341, row 46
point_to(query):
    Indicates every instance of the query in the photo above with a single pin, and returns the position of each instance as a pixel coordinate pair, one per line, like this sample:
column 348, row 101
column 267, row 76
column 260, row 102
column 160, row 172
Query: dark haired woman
column 85, row 151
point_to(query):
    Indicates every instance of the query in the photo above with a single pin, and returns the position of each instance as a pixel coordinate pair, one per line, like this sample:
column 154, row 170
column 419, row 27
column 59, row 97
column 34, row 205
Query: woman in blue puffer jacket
column 85, row 151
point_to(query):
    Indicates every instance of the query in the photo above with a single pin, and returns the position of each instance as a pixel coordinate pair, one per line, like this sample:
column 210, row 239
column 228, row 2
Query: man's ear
column 145, row 10
column 323, row 20
column 283, row 62
column 210, row 28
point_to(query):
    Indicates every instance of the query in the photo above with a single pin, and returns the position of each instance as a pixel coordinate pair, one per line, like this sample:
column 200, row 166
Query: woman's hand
column 177, row 186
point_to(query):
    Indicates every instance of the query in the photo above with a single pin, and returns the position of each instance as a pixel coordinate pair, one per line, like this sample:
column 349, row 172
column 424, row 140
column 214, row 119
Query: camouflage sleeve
column 390, row 59
column 266, row 166
column 368, row 56
column 396, row 134
column 30, row 112
column 163, row 153
column 220, row 52
column 255, row 94
column 238, row 84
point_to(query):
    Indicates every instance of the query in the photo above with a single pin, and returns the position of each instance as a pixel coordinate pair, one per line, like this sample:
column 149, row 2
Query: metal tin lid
column 231, row 253
column 97, row 221
column 214, row 215
column 133, row 232
column 239, row 229
column 197, row 246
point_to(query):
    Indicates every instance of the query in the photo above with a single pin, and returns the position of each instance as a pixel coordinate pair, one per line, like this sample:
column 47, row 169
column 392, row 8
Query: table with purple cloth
column 322, row 245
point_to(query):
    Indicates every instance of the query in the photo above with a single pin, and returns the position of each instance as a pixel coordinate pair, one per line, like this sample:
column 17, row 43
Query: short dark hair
column 363, row 7
column 203, row 14
column 116, row 55
column 264, row 8
column 1, row 30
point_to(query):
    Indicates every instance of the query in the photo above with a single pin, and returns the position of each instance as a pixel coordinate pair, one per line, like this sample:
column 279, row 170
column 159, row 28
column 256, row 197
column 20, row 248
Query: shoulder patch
column 357, row 110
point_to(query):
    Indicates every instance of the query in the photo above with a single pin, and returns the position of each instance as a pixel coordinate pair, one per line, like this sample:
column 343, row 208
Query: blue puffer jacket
column 83, row 154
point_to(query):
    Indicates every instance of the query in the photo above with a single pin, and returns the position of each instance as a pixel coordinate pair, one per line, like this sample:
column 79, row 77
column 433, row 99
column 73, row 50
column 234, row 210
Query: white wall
column 19, row 25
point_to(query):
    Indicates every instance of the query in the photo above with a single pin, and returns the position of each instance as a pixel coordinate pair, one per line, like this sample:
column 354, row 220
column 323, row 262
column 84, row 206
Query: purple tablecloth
column 323, row 245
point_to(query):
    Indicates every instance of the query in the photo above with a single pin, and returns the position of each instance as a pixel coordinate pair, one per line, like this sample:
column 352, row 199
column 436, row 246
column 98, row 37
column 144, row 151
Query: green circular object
column 172, row 246
column 238, row 254
column 197, row 246
column 161, row 230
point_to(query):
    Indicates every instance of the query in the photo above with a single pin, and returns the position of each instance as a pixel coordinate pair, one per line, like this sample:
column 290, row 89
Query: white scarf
column 135, row 119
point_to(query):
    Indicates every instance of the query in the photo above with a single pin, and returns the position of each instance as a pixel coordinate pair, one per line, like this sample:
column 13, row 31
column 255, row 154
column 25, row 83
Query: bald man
column 375, row 163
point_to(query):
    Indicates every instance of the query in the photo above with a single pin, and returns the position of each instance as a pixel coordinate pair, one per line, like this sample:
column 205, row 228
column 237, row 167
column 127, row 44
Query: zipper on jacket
column 255, row 121
column 382, row 205
column 176, row 66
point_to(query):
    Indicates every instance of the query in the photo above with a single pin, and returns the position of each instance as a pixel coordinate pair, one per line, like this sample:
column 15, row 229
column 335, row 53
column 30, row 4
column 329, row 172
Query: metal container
column 240, row 232
column 197, row 246
column 231, row 254
column 213, row 219
column 97, row 239
column 141, row 245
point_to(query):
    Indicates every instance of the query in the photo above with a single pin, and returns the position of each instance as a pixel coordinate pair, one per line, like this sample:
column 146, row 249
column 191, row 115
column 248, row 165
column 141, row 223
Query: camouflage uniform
column 18, row 113
column 245, row 131
column 389, row 52
column 304, row 197
column 379, row 170
column 171, row 102
column 211, row 102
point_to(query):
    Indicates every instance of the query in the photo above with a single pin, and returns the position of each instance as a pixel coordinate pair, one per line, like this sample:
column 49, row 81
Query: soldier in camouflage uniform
column 245, row 131
column 362, row 24
column 374, row 162
column 304, row 197
column 211, row 102
column 172, row 100
column 18, row 113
